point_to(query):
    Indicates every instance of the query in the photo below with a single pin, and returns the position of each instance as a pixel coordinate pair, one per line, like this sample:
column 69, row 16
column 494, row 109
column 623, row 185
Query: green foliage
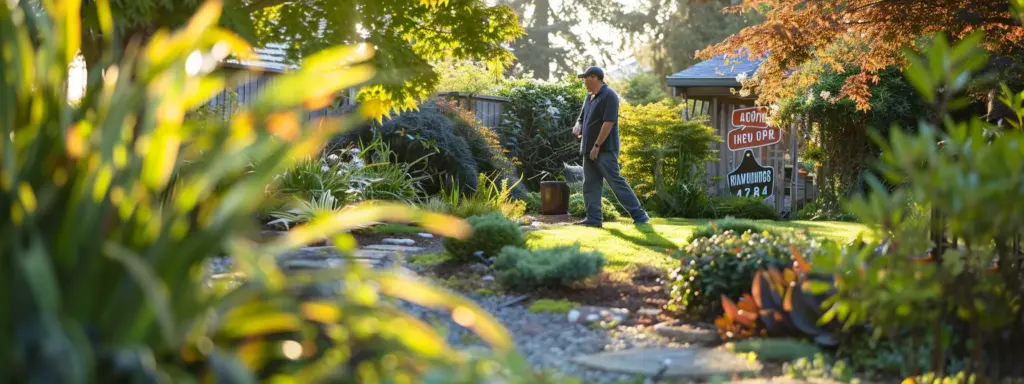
column 484, row 143
column 107, row 246
column 951, row 264
column 728, row 224
column 407, row 44
column 819, row 367
column 644, row 88
column 824, row 210
column 562, row 306
column 533, row 203
column 743, row 207
column 491, row 196
column 466, row 77
column 490, row 234
column 578, row 209
column 725, row 265
column 775, row 349
column 433, row 135
column 840, row 131
column 537, row 124
column 660, row 150
column 525, row 270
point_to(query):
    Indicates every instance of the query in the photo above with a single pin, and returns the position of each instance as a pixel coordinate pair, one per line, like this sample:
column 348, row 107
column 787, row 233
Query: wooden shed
column 487, row 108
column 259, row 74
column 713, row 88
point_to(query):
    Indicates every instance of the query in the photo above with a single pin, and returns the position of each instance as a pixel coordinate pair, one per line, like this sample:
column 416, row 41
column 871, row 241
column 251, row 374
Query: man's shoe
column 642, row 221
column 587, row 223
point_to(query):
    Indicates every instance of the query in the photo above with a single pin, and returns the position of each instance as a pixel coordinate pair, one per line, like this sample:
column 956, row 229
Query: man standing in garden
column 598, row 129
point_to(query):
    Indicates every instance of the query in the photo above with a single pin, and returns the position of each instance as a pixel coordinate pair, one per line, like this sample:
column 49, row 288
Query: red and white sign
column 752, row 130
column 756, row 117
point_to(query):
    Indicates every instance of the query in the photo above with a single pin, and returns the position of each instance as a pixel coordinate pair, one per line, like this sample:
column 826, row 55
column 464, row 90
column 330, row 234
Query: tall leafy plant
column 949, row 276
column 663, row 156
column 108, row 264
column 536, row 126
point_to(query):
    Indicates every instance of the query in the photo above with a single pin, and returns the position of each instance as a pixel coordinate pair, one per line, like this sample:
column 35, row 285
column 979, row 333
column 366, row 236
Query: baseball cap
column 593, row 71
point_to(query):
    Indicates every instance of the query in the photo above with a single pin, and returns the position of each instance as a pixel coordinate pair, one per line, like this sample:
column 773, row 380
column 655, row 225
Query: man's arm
column 611, row 115
column 606, row 129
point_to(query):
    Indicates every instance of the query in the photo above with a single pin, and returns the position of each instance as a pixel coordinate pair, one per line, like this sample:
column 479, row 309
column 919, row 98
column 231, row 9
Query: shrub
column 484, row 143
column 490, row 196
column 578, row 209
column 660, row 150
column 725, row 265
column 533, row 202
column 735, row 225
column 537, row 124
column 686, row 197
column 490, row 234
column 743, row 208
column 523, row 269
column 823, row 209
column 431, row 134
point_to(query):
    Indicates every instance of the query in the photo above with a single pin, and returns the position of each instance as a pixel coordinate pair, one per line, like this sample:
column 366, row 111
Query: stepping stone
column 311, row 253
column 588, row 314
column 374, row 254
column 681, row 362
column 426, row 235
column 686, row 333
column 395, row 248
column 399, row 241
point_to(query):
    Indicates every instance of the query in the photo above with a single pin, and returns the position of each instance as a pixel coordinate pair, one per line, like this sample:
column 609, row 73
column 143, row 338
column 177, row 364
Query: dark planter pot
column 554, row 198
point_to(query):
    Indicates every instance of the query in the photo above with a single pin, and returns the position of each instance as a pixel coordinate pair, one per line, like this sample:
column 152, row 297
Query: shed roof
column 270, row 58
column 715, row 72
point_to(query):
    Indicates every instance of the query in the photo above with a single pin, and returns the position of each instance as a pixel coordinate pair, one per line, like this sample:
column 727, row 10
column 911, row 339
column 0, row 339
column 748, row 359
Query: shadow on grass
column 650, row 238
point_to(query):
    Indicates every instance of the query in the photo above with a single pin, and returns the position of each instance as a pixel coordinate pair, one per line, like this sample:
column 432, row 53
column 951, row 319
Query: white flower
column 775, row 109
column 744, row 92
column 333, row 157
column 825, row 95
column 741, row 77
column 553, row 111
column 324, row 168
column 560, row 99
column 810, row 98
column 355, row 151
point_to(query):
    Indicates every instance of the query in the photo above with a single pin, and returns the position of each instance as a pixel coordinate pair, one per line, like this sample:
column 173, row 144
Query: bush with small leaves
column 728, row 224
column 523, row 269
column 490, row 234
column 578, row 209
column 725, row 265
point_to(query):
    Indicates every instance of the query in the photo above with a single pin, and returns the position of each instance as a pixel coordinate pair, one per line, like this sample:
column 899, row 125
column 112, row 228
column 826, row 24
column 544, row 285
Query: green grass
column 626, row 245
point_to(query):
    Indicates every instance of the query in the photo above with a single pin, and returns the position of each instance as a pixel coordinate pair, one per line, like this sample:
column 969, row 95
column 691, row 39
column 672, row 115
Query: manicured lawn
column 626, row 245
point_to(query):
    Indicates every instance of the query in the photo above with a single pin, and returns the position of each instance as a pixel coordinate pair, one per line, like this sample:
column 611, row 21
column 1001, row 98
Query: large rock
column 681, row 362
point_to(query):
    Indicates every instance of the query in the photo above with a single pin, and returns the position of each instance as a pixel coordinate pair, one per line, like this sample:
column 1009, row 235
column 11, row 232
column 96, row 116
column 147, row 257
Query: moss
column 775, row 349
column 485, row 292
column 429, row 259
column 553, row 306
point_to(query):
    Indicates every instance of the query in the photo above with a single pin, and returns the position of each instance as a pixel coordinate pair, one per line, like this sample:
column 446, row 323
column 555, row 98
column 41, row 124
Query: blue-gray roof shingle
column 715, row 72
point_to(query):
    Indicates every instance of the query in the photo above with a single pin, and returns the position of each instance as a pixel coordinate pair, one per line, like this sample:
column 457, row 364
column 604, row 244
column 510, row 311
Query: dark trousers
column 595, row 172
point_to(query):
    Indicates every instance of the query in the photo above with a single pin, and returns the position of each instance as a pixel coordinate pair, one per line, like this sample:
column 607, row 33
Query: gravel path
column 550, row 341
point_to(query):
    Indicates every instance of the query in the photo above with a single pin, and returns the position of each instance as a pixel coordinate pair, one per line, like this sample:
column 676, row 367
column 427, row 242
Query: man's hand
column 577, row 130
column 594, row 152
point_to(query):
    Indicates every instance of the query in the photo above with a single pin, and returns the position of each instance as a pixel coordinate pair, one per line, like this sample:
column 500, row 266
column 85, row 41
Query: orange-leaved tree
column 800, row 39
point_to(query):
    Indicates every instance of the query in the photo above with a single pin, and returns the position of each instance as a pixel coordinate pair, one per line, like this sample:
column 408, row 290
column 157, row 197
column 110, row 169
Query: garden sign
column 751, row 179
column 752, row 130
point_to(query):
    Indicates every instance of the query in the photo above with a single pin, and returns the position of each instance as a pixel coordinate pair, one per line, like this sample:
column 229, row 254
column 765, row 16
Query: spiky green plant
column 105, row 234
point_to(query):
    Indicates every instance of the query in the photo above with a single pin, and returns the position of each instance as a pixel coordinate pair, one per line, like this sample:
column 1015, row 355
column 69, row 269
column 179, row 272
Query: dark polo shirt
column 597, row 109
